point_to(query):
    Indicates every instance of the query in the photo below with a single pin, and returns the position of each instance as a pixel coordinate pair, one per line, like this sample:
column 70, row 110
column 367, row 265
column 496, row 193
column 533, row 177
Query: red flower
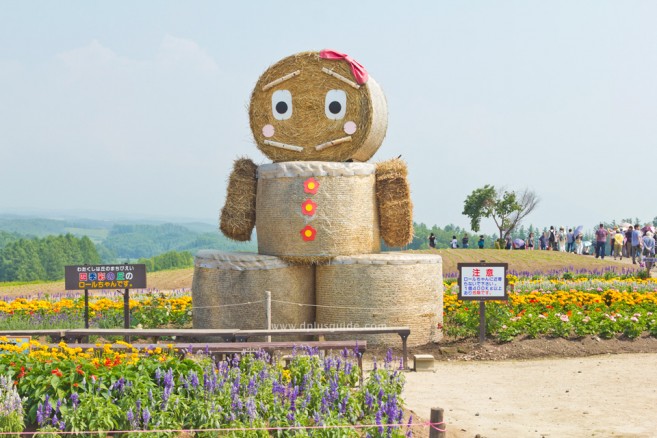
column 310, row 185
column 78, row 369
column 22, row 373
column 308, row 233
column 57, row 372
column 309, row 208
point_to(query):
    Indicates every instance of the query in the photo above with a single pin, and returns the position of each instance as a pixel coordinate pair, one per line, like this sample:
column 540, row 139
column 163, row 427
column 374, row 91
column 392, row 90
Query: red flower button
column 310, row 186
column 308, row 233
column 309, row 208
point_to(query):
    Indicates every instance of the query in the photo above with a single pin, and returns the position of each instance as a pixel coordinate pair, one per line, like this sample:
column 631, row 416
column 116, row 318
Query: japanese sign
column 105, row 277
column 482, row 281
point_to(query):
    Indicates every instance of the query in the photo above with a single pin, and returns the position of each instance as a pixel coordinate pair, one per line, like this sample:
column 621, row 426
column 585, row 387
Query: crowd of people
column 626, row 241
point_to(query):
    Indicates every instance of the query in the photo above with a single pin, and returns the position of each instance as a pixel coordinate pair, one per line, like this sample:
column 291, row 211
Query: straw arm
column 393, row 195
column 239, row 212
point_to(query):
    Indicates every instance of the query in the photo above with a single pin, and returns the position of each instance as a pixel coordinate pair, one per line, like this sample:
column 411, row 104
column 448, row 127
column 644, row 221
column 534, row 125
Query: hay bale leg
column 229, row 289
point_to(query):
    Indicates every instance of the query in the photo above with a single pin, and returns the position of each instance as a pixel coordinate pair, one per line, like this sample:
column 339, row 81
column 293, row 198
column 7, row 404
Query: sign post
column 124, row 276
column 482, row 282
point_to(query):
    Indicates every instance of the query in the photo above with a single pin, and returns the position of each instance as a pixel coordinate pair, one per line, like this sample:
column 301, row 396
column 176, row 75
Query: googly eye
column 335, row 105
column 281, row 104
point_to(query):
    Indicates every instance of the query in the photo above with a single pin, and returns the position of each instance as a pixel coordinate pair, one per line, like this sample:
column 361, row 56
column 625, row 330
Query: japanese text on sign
column 481, row 282
column 105, row 277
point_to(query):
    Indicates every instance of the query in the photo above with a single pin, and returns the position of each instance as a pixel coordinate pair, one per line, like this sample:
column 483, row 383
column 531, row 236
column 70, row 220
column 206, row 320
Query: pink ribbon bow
column 359, row 72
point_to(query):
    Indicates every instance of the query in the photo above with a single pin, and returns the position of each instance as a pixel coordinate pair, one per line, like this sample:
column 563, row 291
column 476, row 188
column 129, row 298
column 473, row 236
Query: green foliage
column 488, row 202
column 168, row 260
column 44, row 258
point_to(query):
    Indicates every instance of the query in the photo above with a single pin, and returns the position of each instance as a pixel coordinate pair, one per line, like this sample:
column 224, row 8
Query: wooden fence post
column 437, row 428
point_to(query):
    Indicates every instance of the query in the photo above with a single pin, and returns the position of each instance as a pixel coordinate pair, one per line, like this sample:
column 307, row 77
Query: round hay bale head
column 228, row 291
column 314, row 210
column 306, row 107
column 383, row 290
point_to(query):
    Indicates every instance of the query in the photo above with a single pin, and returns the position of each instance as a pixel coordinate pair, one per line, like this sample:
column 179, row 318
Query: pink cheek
column 268, row 131
column 350, row 127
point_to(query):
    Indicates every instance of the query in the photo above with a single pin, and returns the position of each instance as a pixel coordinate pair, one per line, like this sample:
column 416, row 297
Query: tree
column 506, row 208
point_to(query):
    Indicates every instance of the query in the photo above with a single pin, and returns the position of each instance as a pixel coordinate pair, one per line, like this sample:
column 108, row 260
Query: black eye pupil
column 335, row 107
column 281, row 107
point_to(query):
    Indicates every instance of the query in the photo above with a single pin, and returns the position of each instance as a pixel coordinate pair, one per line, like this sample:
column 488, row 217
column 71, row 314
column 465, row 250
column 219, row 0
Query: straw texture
column 343, row 213
column 308, row 124
column 393, row 195
column 238, row 215
column 225, row 283
column 387, row 289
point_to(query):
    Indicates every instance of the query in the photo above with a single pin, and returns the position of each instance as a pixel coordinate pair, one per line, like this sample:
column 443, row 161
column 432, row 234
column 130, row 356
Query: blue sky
column 139, row 108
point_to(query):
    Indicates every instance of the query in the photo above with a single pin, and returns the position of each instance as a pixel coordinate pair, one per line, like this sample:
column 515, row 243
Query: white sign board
column 482, row 281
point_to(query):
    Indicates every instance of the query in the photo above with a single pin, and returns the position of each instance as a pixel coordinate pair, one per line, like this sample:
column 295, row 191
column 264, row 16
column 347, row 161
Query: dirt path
column 602, row 396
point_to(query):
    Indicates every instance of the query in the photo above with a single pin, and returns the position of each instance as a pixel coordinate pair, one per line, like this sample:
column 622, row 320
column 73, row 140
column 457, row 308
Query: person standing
column 636, row 244
column 649, row 249
column 628, row 241
column 579, row 245
column 432, row 241
column 562, row 240
column 543, row 241
column 530, row 241
column 570, row 241
column 481, row 242
column 617, row 241
column 454, row 243
column 552, row 239
column 600, row 241
column 465, row 240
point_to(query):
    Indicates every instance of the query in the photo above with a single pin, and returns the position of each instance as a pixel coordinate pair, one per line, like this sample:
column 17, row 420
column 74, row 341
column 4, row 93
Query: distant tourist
column 464, row 241
column 552, row 239
column 570, row 241
column 600, row 242
column 579, row 244
column 530, row 241
column 543, row 241
column 454, row 243
column 628, row 241
column 618, row 241
column 636, row 244
column 432, row 241
column 481, row 242
column 562, row 239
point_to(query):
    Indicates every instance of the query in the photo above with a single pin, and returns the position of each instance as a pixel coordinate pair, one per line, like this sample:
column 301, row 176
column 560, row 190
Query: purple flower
column 146, row 416
column 75, row 399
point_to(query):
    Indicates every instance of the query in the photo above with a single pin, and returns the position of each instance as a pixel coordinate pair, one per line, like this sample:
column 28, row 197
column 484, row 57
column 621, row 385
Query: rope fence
column 425, row 424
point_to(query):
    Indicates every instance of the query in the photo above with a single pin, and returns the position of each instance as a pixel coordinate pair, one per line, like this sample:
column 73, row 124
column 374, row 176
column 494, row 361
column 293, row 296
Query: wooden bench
column 156, row 334
column 403, row 332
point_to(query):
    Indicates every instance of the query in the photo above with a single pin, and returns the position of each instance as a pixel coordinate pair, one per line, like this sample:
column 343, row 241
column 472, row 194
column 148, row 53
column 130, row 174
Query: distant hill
column 122, row 240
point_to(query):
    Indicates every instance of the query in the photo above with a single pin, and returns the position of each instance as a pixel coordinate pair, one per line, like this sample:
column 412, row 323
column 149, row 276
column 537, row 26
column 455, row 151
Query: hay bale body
column 334, row 202
column 387, row 289
column 224, row 281
column 308, row 124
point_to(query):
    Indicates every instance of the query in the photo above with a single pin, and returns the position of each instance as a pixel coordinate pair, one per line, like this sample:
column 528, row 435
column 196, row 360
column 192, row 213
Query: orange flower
column 57, row 372
column 308, row 233
column 310, row 186
column 309, row 208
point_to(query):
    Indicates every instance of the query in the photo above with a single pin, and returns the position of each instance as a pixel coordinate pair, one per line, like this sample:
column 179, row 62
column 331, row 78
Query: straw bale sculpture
column 319, row 116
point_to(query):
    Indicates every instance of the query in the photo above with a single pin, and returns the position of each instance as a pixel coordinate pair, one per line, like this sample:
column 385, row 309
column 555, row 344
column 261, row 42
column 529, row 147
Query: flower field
column 117, row 388
column 569, row 306
column 150, row 309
